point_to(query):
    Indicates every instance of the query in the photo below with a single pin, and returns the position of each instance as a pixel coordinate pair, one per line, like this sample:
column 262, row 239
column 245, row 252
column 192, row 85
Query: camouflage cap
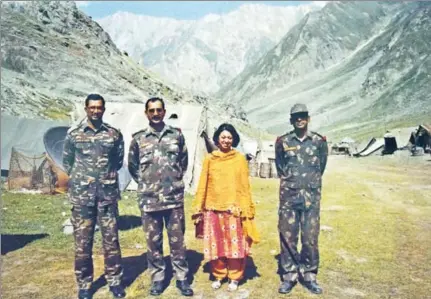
column 298, row 108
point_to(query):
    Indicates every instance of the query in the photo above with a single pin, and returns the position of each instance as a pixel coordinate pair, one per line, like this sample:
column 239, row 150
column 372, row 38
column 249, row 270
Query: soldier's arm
column 279, row 159
column 323, row 155
column 68, row 154
column 133, row 160
column 183, row 155
column 119, row 145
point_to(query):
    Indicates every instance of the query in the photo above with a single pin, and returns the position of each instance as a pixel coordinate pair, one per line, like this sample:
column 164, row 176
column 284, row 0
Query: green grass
column 379, row 211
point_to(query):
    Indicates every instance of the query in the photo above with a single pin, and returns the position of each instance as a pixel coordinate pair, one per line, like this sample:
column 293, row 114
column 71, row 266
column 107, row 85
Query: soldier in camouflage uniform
column 158, row 159
column 93, row 153
column 300, row 157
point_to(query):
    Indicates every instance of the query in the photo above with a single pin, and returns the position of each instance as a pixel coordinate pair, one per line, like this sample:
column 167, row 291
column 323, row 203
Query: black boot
column 313, row 286
column 185, row 288
column 118, row 291
column 156, row 288
column 85, row 294
column 286, row 286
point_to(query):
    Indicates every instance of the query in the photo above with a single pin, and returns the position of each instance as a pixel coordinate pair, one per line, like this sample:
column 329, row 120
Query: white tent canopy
column 25, row 135
column 267, row 151
column 250, row 147
column 130, row 118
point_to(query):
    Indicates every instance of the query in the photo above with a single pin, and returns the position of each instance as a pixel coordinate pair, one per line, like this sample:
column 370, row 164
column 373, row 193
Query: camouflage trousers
column 84, row 220
column 153, row 223
column 293, row 218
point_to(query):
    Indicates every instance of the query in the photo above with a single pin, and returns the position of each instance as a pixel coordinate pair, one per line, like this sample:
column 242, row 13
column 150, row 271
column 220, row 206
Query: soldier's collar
column 85, row 126
column 150, row 130
column 308, row 134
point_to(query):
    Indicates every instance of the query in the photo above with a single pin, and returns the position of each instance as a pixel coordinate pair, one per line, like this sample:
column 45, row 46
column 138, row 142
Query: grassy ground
column 375, row 240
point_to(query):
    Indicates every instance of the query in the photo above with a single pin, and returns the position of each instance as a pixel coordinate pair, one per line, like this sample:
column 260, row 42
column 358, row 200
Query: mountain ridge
column 205, row 54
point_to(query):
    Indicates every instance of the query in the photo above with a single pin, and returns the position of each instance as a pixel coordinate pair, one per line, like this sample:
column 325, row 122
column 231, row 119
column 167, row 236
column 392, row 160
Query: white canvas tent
column 130, row 118
column 250, row 147
column 267, row 151
column 23, row 134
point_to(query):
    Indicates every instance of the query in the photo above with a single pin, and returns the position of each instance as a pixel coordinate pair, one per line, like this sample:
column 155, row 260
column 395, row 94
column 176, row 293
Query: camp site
column 360, row 69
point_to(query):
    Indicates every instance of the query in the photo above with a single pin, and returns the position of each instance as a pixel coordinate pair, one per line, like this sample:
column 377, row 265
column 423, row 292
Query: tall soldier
column 300, row 157
column 93, row 153
column 158, row 159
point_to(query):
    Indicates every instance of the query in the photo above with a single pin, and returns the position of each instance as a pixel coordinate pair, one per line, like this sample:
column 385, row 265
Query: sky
column 183, row 10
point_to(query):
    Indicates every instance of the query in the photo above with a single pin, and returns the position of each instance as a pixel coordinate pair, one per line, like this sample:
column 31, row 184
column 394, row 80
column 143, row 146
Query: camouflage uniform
column 157, row 162
column 300, row 166
column 92, row 159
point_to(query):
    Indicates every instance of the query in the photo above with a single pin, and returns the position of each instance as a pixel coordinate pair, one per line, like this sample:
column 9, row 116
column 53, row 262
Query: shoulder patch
column 282, row 136
column 72, row 128
column 321, row 136
column 111, row 127
column 176, row 128
column 137, row 133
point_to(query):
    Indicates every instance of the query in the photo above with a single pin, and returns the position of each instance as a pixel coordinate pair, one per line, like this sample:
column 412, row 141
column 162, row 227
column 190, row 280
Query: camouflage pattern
column 157, row 162
column 92, row 159
column 289, row 223
column 174, row 221
column 300, row 166
column 84, row 220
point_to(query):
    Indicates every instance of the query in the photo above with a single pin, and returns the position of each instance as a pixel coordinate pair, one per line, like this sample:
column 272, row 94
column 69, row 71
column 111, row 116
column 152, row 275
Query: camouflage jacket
column 92, row 159
column 157, row 162
column 300, row 165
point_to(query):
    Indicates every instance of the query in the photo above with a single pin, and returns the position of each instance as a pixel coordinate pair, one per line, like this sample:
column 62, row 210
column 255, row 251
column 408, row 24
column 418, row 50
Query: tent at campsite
column 130, row 118
column 421, row 137
column 396, row 139
column 24, row 161
column 266, row 159
column 393, row 140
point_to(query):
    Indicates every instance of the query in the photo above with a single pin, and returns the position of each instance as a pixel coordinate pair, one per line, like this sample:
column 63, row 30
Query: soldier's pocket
column 111, row 192
column 83, row 146
column 107, row 146
column 315, row 191
column 145, row 159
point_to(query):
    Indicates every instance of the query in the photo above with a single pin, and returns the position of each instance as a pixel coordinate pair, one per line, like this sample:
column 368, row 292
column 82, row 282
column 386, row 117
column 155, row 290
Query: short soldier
column 93, row 153
column 158, row 159
column 300, row 157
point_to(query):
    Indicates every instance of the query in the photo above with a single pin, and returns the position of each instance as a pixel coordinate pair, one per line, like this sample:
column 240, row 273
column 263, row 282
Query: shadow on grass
column 249, row 273
column 126, row 222
column 14, row 242
column 134, row 266
column 194, row 260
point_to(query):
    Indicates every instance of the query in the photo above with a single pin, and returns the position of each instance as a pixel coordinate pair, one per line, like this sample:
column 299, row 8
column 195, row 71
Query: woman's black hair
column 230, row 129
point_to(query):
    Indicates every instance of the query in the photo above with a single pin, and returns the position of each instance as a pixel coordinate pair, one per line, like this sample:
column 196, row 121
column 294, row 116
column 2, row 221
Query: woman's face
column 225, row 141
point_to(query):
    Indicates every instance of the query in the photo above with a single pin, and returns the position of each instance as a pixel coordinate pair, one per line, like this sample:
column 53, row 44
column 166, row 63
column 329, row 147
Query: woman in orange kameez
column 223, row 202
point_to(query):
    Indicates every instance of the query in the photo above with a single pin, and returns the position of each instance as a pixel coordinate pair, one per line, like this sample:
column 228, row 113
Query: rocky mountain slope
column 356, row 65
column 53, row 54
column 205, row 54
